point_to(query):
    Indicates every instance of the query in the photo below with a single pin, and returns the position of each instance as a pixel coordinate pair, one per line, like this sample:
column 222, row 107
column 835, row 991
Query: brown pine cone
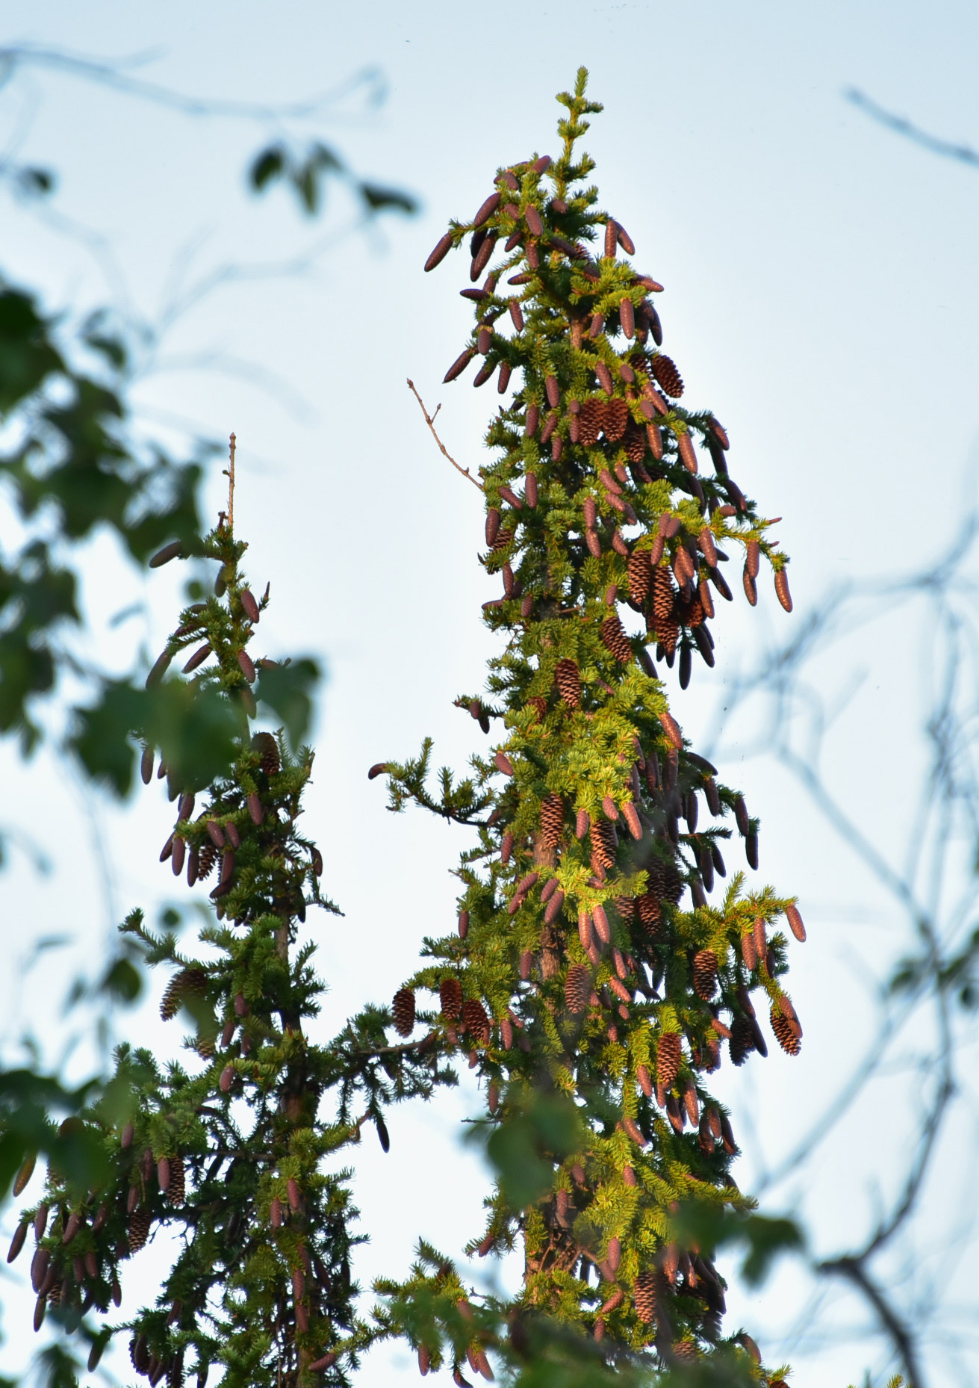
column 667, row 632
column 795, row 923
column 611, row 238
column 604, row 377
column 742, row 1041
column 634, row 442
column 604, row 843
column 459, row 365
column 705, row 599
column 664, row 369
column 649, row 911
column 177, row 1189
column 750, row 590
column 640, row 576
column 615, row 639
column 626, row 907
column 403, row 1008
column 690, row 611
column 668, row 1057
column 782, row 589
column 627, row 317
column 538, row 702
column 268, row 749
column 616, row 419
column 645, row 1297
column 687, row 452
column 139, row 1230
column 187, row 981
column 475, row 1020
column 438, row 255
column 551, row 820
column 577, row 988
column 663, row 593
column 591, row 421
column 785, row 1032
column 450, row 996
column 705, row 974
column 207, row 859
column 568, row 680
column 664, row 881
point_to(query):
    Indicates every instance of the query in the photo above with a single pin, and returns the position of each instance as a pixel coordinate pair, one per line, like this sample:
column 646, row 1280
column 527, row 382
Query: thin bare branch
column 965, row 154
column 430, row 421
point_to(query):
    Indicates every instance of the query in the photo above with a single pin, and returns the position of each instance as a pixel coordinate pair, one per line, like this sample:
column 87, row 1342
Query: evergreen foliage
column 595, row 969
column 591, row 997
column 229, row 1150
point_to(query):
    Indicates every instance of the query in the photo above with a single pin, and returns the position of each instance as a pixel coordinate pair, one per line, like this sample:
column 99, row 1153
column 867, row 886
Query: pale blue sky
column 821, row 297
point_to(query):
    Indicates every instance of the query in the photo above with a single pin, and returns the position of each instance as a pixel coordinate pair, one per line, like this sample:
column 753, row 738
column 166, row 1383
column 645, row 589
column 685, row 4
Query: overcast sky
column 821, row 298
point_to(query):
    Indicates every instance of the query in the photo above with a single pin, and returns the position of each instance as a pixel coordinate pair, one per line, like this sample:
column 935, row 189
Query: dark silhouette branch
column 965, row 154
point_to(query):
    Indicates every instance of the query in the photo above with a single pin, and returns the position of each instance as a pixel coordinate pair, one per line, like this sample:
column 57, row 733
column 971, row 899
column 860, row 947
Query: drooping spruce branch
column 592, row 1002
column 226, row 1152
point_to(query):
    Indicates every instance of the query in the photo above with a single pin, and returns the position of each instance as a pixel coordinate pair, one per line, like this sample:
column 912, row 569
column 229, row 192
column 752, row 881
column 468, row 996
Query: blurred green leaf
column 378, row 198
column 526, row 1145
column 764, row 1238
column 267, row 165
column 287, row 689
column 122, row 980
column 194, row 729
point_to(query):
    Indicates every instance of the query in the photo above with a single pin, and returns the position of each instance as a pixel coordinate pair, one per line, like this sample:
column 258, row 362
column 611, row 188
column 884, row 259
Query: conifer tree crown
column 597, row 966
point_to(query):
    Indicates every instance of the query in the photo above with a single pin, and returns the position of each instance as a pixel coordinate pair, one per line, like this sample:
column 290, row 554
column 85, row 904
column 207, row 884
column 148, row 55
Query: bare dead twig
column 430, row 421
column 230, row 474
column 853, row 1270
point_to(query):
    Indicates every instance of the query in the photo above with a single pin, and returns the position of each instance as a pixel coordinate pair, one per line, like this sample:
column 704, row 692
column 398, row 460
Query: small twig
column 230, row 474
column 430, row 421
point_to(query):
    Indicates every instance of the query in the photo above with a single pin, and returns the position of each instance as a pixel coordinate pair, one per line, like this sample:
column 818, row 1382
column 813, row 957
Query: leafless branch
column 117, row 75
column 965, row 154
column 430, row 421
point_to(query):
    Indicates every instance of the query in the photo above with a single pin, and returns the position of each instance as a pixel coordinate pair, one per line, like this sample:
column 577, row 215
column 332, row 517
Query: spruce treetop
column 597, row 967
column 234, row 1151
